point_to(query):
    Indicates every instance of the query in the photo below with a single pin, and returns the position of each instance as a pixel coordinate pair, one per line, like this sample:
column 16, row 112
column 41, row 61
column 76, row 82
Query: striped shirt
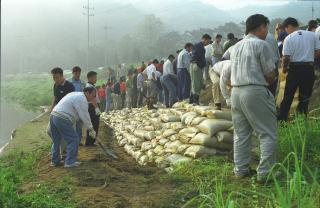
column 251, row 59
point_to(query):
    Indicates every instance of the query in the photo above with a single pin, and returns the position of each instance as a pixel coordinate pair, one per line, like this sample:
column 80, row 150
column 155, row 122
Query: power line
column 88, row 14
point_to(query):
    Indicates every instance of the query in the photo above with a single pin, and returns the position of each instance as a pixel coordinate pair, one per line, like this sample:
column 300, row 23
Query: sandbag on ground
column 225, row 137
column 189, row 116
column 169, row 118
column 172, row 147
column 211, row 142
column 213, row 126
column 203, row 110
column 189, row 132
column 168, row 133
column 218, row 114
column 196, row 151
column 176, row 159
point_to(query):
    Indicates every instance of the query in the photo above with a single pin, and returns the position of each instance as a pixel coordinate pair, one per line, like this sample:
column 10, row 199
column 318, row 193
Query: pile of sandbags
column 171, row 136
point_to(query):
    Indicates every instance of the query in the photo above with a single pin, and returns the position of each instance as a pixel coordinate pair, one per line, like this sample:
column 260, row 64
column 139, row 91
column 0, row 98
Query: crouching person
column 72, row 108
column 169, row 84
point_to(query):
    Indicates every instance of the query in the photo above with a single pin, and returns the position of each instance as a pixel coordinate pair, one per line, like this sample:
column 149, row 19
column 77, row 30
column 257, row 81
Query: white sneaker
column 75, row 164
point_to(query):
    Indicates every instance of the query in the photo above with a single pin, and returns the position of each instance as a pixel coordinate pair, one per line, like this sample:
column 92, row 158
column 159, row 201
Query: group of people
column 243, row 72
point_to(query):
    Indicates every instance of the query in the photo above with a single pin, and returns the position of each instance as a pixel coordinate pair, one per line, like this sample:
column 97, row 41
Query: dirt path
column 103, row 182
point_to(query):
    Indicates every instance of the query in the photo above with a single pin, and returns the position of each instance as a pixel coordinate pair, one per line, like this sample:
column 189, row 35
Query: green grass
column 18, row 169
column 210, row 182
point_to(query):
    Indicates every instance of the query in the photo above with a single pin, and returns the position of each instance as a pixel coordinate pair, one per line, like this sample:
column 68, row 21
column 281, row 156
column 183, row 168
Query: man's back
column 60, row 91
column 300, row 46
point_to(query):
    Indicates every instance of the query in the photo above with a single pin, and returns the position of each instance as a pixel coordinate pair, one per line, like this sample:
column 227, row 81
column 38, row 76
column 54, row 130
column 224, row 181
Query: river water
column 11, row 117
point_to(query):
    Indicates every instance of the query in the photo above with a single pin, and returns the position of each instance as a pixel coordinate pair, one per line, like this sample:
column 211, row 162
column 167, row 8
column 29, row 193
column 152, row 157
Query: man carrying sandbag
column 220, row 78
column 252, row 104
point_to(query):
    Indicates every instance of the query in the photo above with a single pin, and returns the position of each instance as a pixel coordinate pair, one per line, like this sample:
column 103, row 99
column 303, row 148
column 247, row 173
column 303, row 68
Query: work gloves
column 92, row 133
column 98, row 112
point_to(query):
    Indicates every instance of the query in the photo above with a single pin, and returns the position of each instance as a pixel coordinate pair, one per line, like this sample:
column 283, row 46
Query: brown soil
column 103, row 182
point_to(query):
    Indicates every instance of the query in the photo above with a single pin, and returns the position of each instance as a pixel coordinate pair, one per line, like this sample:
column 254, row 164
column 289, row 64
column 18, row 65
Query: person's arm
column 225, row 91
column 268, row 66
column 317, row 53
column 53, row 103
column 285, row 63
column 287, row 53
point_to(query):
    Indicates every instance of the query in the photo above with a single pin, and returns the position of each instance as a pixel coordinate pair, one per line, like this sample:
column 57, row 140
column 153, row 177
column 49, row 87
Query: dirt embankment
column 100, row 181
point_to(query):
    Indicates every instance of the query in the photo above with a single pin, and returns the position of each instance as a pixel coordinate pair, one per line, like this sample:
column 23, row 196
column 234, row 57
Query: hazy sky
column 235, row 4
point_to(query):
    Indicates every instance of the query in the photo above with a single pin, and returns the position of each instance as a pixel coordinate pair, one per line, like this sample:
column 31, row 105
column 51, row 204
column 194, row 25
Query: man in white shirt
column 217, row 49
column 151, row 83
column 299, row 51
column 220, row 77
column 168, row 66
column 72, row 108
column 184, row 80
column 252, row 104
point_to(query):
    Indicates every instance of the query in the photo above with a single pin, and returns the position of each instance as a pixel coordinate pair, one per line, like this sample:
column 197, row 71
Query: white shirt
column 223, row 68
column 208, row 52
column 74, row 106
column 184, row 59
column 251, row 59
column 273, row 45
column 168, row 67
column 151, row 69
column 318, row 33
column 300, row 46
column 226, row 54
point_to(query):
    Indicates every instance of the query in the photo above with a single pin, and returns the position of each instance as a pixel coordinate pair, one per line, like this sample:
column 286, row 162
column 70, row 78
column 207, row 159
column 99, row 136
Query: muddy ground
column 103, row 182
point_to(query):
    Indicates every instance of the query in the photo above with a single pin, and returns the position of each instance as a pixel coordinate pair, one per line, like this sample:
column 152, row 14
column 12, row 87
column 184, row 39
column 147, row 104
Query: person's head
column 188, row 47
column 90, row 93
column 76, row 72
column 155, row 61
column 312, row 25
column 218, row 38
column 130, row 72
column 57, row 75
column 162, row 62
column 257, row 25
column 290, row 25
column 206, row 39
column 171, row 57
column 230, row 36
column 92, row 77
column 103, row 86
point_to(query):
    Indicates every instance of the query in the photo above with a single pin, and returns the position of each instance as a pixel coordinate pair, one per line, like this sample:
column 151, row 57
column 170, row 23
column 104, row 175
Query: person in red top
column 123, row 89
column 102, row 96
column 159, row 66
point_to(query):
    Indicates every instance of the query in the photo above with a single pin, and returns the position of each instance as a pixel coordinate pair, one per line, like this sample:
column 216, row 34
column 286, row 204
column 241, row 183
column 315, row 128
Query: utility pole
column 88, row 14
column 312, row 10
column 106, row 51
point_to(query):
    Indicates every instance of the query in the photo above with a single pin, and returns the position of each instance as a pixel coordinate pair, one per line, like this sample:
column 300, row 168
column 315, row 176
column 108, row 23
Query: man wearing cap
column 252, row 104
column 198, row 62
column 72, row 108
column 299, row 50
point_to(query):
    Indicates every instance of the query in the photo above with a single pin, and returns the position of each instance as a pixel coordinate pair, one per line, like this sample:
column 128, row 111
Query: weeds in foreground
column 19, row 168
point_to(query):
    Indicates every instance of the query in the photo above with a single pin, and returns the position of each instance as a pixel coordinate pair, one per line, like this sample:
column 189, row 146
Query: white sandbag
column 225, row 137
column 139, row 133
column 196, row 151
column 128, row 147
column 182, row 148
column 211, row 142
column 176, row 159
column 177, row 126
column 203, row 110
column 213, row 126
column 188, row 116
column 178, row 112
column 159, row 150
column 150, row 154
column 189, row 132
column 143, row 160
column 218, row 114
column 136, row 141
column 168, row 133
column 184, row 139
column 154, row 143
column 189, row 107
column 172, row 147
column 163, row 141
column 174, row 137
column 197, row 120
column 145, row 146
column 170, row 118
column 123, row 142
column 149, row 135
column 154, row 115
column 179, row 104
column 161, row 162
column 137, row 154
column 149, row 128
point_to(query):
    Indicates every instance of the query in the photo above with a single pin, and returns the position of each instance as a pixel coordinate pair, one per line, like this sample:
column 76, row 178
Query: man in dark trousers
column 94, row 110
column 300, row 48
column 198, row 62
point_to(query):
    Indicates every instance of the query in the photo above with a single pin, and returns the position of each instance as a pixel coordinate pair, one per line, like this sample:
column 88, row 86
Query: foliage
column 20, row 168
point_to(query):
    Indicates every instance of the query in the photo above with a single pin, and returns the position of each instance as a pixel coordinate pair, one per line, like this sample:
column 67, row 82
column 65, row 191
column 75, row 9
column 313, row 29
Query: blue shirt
column 78, row 84
column 198, row 55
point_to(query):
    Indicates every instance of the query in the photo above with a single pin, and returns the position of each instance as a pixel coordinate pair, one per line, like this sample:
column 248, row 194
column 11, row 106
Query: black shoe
column 217, row 106
column 248, row 174
column 196, row 99
column 191, row 99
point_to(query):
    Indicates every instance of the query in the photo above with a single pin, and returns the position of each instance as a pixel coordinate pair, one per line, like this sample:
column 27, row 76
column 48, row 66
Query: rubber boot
column 217, row 106
column 191, row 99
column 196, row 99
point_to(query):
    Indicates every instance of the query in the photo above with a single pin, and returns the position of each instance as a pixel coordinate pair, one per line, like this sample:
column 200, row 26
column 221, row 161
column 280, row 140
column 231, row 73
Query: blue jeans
column 61, row 128
column 184, row 84
column 79, row 130
column 169, row 85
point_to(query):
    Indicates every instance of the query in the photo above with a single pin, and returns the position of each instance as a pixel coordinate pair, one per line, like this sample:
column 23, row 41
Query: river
column 11, row 117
